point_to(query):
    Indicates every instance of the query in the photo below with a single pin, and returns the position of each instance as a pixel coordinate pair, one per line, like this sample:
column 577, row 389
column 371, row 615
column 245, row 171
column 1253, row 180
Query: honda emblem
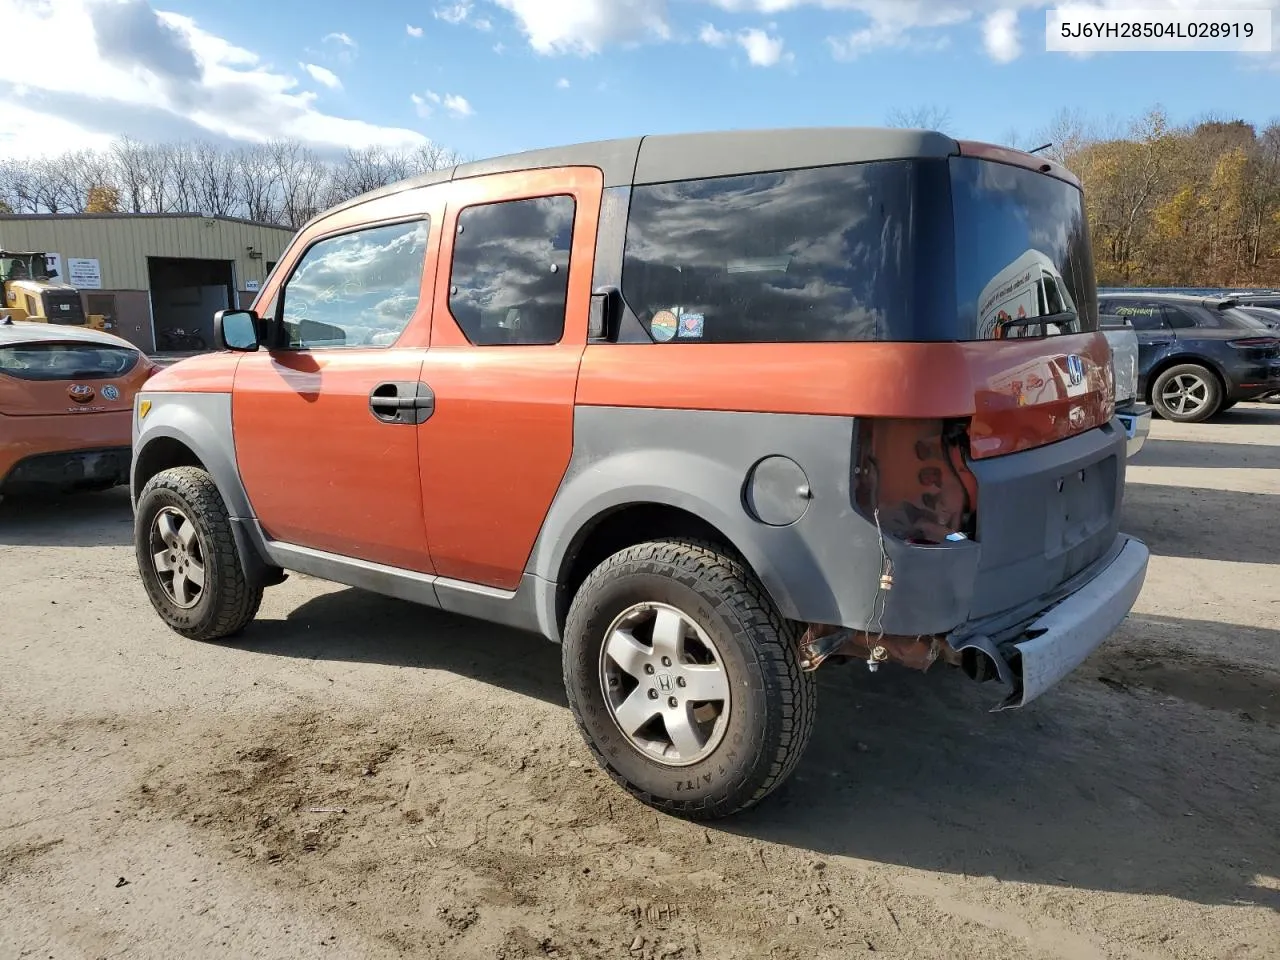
column 1075, row 370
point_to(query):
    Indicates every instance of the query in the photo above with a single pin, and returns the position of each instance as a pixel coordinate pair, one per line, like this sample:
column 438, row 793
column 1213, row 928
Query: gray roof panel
column 615, row 158
column 689, row 156
column 700, row 155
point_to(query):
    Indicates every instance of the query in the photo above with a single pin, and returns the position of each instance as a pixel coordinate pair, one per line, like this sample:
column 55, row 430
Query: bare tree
column 304, row 181
column 927, row 117
column 216, row 187
column 259, row 180
column 130, row 173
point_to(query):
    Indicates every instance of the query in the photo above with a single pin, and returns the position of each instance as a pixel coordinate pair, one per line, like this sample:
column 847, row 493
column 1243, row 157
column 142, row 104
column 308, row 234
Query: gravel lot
column 358, row 777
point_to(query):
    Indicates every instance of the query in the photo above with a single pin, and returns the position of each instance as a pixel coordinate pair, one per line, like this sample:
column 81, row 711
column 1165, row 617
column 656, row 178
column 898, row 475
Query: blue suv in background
column 1197, row 356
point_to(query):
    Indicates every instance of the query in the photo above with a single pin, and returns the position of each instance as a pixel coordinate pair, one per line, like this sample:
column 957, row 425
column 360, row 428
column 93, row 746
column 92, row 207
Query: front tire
column 1187, row 393
column 187, row 557
column 685, row 681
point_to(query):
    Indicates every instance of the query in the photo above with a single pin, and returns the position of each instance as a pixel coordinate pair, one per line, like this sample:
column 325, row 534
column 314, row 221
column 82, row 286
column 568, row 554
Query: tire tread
column 236, row 601
column 725, row 580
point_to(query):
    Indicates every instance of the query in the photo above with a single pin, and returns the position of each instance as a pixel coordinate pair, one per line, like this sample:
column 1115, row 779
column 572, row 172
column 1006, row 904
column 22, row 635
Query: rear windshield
column 66, row 361
column 892, row 250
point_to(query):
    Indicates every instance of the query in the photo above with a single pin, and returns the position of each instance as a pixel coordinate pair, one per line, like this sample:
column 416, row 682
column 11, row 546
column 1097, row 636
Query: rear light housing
column 1250, row 342
column 912, row 478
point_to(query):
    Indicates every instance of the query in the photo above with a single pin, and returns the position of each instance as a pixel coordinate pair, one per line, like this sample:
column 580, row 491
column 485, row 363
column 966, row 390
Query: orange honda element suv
column 708, row 410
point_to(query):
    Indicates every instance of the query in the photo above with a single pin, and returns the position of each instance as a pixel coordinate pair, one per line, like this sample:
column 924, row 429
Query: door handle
column 404, row 402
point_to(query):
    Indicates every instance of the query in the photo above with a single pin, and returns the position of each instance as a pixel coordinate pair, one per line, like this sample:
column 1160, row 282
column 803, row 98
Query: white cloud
column 340, row 38
column 763, row 50
column 587, row 26
column 454, row 13
column 412, row 31
column 423, row 104
column 1000, row 36
column 322, row 76
column 457, row 105
column 453, row 103
column 713, row 37
column 563, row 83
column 154, row 76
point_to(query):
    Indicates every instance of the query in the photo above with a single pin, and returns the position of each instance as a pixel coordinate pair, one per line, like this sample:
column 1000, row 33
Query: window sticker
column 663, row 325
column 691, row 326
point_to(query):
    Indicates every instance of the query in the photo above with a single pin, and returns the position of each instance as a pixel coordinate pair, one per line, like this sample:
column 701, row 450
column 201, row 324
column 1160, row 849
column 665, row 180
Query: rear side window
column 1209, row 318
column 797, row 255
column 509, row 280
column 66, row 361
column 1181, row 319
column 1022, row 250
column 357, row 289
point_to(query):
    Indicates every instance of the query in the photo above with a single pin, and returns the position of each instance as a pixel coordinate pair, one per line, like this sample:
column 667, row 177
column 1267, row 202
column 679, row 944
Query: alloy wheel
column 665, row 684
column 1186, row 394
column 178, row 556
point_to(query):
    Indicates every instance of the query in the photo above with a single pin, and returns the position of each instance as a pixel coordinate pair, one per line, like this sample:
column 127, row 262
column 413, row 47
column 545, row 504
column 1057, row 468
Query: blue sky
column 492, row 76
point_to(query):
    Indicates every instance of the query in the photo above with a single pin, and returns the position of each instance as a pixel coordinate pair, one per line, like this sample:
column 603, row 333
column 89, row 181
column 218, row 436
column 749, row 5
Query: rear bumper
column 1254, row 381
column 1136, row 420
column 69, row 470
column 31, row 444
column 1035, row 654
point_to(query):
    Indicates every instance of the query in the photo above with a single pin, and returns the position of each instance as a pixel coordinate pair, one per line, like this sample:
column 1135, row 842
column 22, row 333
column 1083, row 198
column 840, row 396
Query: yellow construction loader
column 33, row 292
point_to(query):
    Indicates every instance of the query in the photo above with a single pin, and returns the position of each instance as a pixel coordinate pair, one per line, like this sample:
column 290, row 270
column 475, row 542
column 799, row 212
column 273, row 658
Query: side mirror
column 236, row 330
column 602, row 320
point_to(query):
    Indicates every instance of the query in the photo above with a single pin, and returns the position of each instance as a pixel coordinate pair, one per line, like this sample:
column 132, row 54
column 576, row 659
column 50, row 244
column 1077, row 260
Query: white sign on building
column 84, row 273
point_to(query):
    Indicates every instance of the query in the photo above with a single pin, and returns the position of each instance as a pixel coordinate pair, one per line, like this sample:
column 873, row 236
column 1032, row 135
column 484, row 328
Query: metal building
column 158, row 278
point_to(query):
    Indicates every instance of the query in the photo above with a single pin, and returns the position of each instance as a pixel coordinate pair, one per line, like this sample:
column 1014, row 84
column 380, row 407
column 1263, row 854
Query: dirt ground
column 357, row 777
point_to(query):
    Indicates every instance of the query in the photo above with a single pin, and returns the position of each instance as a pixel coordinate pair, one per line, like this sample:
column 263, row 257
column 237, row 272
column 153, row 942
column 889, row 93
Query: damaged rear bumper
column 1034, row 655
column 1030, row 648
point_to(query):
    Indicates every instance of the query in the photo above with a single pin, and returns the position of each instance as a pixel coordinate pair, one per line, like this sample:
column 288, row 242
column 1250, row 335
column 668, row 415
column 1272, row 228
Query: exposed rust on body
column 822, row 641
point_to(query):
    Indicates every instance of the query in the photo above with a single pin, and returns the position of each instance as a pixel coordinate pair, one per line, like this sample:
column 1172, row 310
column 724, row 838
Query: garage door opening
column 185, row 294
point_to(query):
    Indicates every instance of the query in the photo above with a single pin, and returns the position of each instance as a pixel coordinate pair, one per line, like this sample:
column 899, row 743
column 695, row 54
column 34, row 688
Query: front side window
column 1142, row 316
column 799, row 255
column 358, row 289
column 509, row 281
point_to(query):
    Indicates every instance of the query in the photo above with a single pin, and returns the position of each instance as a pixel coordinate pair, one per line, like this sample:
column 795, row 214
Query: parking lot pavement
column 358, row 777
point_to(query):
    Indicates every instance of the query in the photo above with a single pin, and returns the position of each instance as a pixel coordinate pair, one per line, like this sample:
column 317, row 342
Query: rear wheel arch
column 626, row 525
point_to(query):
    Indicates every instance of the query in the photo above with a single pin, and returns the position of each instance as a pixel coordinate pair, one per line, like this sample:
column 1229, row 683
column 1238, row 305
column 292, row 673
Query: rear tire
column 747, row 710
column 187, row 557
column 1186, row 393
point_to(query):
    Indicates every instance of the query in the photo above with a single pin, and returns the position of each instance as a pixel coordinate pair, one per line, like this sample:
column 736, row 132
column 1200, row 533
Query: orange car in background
column 66, row 404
